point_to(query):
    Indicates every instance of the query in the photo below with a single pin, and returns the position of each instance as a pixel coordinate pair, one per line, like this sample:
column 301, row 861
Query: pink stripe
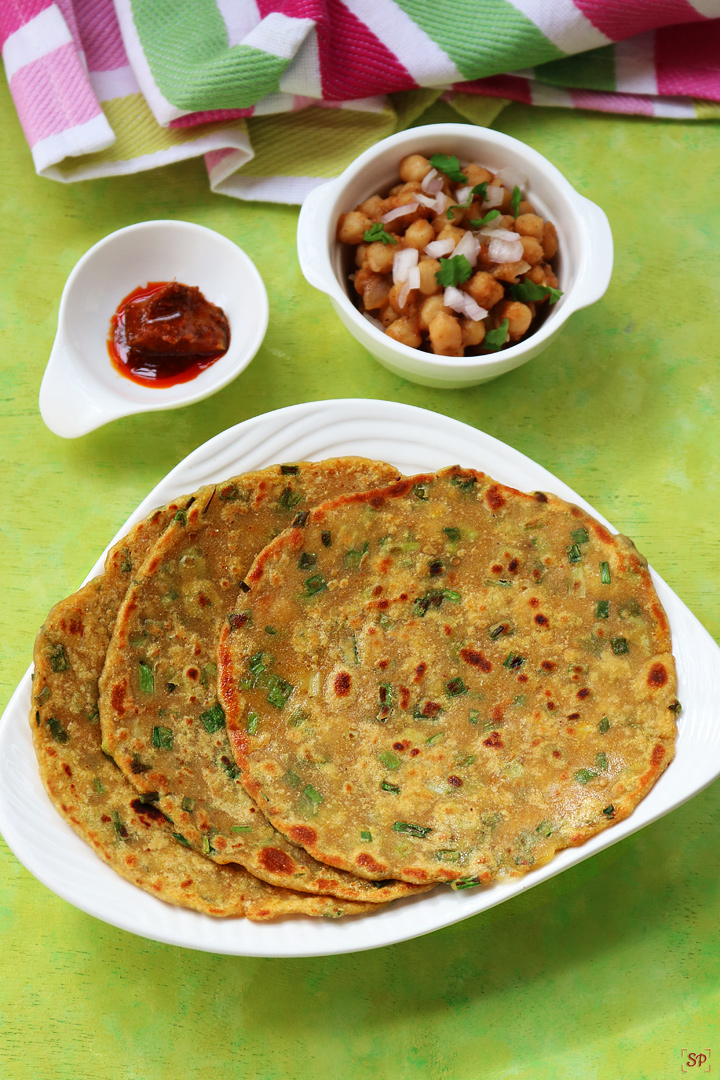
column 192, row 119
column 53, row 94
column 620, row 19
column 687, row 59
column 213, row 158
column 632, row 104
column 100, row 34
column 354, row 63
column 509, row 86
column 16, row 13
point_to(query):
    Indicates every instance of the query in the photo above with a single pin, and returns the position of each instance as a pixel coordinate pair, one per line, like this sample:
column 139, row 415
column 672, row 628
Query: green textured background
column 607, row 971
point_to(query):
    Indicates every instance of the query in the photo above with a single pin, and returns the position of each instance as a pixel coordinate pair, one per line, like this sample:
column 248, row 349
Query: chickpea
column 430, row 309
column 428, row 282
column 532, row 250
column 387, row 315
column 518, row 315
column 419, row 234
column 477, row 175
column 505, row 221
column 507, row 200
column 485, row 290
column 525, row 207
column 550, row 277
column 445, row 335
column 352, row 226
column 406, row 331
column 451, row 232
column 410, row 306
column 443, row 220
column 529, row 225
column 414, row 167
column 509, row 271
column 473, row 332
column 549, row 240
column 373, row 207
column 380, row 256
column 360, row 254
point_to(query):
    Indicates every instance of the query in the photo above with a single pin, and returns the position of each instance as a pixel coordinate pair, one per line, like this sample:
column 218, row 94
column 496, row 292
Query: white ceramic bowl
column 585, row 247
column 81, row 390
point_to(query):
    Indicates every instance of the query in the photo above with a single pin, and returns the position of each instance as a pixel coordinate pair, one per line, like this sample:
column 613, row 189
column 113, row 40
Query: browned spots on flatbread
column 494, row 498
column 342, row 683
column 658, row 754
column 494, row 741
column 420, row 671
column 147, row 810
column 601, row 532
column 117, row 697
column 368, row 863
column 302, row 834
column 477, row 658
column 658, row 675
column 277, row 861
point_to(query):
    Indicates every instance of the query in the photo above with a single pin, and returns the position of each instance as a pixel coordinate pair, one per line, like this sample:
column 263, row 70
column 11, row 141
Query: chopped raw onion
column 497, row 234
column 437, row 248
column 462, row 195
column 511, row 178
column 402, row 263
column 473, row 310
column 455, row 299
column 432, row 182
column 441, row 202
column 494, row 197
column 505, row 251
column 406, row 208
column 425, row 200
column 469, row 246
column 412, row 282
column 522, row 267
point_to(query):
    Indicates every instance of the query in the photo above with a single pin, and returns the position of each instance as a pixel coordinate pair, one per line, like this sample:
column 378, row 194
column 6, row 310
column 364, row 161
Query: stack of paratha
column 422, row 680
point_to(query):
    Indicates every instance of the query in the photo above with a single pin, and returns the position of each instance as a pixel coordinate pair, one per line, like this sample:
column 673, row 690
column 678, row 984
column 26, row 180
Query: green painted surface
column 606, row 972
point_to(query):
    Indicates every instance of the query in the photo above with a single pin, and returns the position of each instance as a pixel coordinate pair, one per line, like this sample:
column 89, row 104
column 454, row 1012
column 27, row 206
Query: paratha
column 86, row 786
column 160, row 716
column 465, row 679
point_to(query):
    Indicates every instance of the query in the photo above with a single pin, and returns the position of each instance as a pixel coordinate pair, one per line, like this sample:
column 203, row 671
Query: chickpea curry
column 454, row 259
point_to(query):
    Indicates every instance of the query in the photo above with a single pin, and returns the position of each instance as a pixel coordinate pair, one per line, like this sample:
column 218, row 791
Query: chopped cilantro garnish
column 412, row 830
column 213, row 719
column 162, row 738
column 529, row 292
column 377, row 231
column 450, row 165
column 480, row 223
column 515, row 200
column 453, row 271
column 147, row 679
column 495, row 339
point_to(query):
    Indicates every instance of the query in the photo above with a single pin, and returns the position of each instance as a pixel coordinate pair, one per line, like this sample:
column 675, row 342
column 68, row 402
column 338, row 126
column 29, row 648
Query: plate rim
column 240, row 937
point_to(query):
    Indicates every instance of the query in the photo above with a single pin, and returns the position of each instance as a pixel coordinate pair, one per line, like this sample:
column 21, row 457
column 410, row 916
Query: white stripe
column 302, row 75
column 87, row 138
column 42, row 35
column 550, row 95
column 218, row 140
column 674, row 108
column 279, row 35
column 159, row 106
column 367, row 104
column 120, row 82
column 277, row 189
column 635, row 65
column 428, row 64
column 239, row 16
column 709, row 8
column 563, row 24
column 274, row 103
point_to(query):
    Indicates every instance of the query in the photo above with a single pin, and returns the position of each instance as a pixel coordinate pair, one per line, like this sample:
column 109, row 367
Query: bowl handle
column 312, row 242
column 597, row 270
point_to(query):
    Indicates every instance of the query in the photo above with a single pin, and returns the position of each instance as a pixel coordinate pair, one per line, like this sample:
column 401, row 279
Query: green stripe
column 482, row 39
column 591, row 70
column 185, row 44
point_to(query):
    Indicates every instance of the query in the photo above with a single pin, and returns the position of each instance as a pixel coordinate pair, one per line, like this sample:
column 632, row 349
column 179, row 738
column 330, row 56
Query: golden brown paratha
column 86, row 786
column 465, row 679
column 159, row 711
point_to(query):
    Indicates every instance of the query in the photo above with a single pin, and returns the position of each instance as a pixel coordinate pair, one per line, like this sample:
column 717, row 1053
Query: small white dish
column 585, row 246
column 414, row 440
column 81, row 390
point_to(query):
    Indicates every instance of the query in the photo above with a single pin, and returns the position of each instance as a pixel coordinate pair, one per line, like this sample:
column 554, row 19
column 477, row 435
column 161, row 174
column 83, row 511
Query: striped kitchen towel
column 279, row 95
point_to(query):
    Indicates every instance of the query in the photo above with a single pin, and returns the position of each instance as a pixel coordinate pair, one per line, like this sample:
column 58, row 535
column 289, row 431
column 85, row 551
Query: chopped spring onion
column 609, row 811
column 252, row 723
column 574, row 553
column 120, row 830
column 315, row 584
column 147, row 679
column 516, row 200
column 601, row 761
column 452, row 534
column 162, row 738
column 188, row 804
column 412, row 830
column 602, row 610
column 604, row 725
column 58, row 659
column 280, row 691
column 584, row 776
column 390, row 760
column 385, row 786
column 326, row 538
column 300, row 519
column 365, row 835
column 289, row 498
column 240, row 828
column 289, row 470
column 513, row 661
column 213, row 719
column 312, row 794
column 181, row 839
column 456, row 687
column 306, row 561
column 619, row 645
column 465, row 883
column 605, row 573
column 57, row 731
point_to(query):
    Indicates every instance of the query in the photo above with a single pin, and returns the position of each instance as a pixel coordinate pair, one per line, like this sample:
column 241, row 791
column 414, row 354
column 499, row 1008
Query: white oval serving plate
column 414, row 440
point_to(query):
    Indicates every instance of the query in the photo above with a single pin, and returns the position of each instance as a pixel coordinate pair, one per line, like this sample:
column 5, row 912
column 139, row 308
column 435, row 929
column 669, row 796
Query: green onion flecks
column 412, row 830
